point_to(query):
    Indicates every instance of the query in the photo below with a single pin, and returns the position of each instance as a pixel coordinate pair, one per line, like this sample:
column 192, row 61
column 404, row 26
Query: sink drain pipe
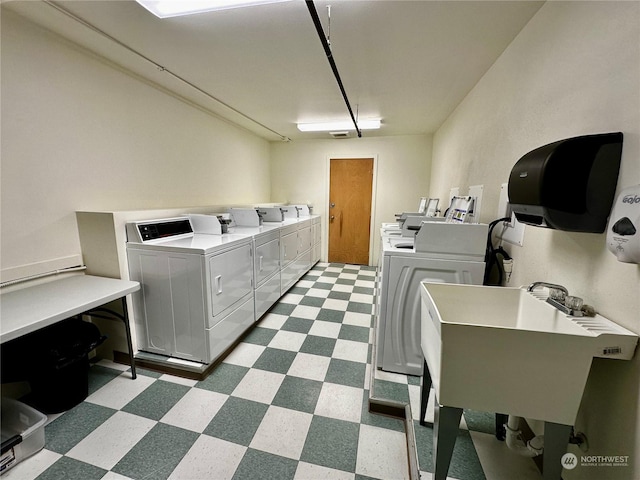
column 515, row 442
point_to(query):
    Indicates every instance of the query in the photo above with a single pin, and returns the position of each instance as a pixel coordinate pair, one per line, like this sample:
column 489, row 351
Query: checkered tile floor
column 291, row 401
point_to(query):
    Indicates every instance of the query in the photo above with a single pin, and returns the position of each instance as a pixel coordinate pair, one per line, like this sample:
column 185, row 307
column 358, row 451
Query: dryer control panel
column 146, row 231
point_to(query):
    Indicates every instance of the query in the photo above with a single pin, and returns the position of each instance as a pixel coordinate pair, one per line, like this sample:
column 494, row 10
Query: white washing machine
column 440, row 252
column 197, row 294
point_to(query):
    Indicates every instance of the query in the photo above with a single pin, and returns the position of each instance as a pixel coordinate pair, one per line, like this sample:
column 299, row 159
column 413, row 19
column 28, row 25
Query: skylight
column 175, row 8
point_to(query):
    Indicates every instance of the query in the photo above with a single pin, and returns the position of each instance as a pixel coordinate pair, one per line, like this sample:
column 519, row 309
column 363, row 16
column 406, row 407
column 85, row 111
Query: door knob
column 332, row 205
column 331, row 217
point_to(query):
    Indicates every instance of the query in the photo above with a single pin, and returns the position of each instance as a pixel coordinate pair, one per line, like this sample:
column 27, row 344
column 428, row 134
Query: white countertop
column 28, row 309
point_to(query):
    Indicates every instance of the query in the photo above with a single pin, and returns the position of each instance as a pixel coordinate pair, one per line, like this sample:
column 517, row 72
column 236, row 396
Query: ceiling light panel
column 175, row 8
column 333, row 126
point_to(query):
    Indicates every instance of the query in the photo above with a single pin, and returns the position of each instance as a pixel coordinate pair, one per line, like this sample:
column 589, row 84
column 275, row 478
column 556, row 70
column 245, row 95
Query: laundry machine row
column 201, row 292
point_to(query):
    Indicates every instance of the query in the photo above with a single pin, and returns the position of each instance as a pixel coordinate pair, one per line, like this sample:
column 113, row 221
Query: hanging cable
column 329, row 25
column 334, row 68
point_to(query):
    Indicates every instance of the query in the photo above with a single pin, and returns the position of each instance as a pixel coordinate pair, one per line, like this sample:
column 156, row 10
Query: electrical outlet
column 512, row 231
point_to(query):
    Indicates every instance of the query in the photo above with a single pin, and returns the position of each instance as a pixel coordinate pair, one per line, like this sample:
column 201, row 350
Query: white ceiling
column 409, row 63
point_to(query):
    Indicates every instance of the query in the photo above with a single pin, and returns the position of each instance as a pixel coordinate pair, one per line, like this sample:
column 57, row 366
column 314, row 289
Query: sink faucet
column 531, row 287
column 569, row 305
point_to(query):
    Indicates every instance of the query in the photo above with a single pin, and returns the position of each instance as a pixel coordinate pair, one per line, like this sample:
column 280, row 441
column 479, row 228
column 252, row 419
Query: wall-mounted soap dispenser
column 623, row 232
column 569, row 184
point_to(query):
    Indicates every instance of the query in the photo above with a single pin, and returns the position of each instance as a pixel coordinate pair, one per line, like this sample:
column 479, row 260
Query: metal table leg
column 127, row 328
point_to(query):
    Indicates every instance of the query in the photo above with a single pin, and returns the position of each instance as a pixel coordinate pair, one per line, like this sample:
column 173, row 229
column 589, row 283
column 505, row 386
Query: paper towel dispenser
column 569, row 184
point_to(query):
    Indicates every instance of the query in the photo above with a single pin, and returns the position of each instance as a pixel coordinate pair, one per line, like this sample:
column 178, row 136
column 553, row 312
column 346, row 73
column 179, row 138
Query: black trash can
column 55, row 362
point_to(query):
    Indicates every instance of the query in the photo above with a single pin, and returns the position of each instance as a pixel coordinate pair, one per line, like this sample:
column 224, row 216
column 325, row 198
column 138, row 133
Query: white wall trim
column 37, row 268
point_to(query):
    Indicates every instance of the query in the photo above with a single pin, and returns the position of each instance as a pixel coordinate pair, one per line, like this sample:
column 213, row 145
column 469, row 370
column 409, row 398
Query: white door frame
column 374, row 189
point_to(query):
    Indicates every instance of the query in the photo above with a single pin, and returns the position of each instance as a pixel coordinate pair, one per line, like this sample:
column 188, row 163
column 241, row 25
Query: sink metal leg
column 556, row 440
column 501, row 420
column 424, row 394
column 445, row 431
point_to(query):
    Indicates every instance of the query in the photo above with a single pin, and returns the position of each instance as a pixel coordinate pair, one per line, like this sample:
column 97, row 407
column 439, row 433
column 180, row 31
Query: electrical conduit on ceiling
column 160, row 67
column 327, row 51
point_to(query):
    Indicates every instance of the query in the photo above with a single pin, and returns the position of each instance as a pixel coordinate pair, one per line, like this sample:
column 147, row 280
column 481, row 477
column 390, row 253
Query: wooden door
column 350, row 187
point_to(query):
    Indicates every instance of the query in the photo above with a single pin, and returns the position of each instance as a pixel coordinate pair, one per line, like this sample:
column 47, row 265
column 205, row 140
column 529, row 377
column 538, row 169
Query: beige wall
column 299, row 173
column 78, row 134
column 573, row 70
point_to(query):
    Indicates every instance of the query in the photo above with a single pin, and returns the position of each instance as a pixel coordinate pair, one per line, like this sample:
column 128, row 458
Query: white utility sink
column 506, row 350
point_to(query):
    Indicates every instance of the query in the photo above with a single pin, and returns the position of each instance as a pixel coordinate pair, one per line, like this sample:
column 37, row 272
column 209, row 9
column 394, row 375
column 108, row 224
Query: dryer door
column 230, row 274
column 288, row 248
column 267, row 261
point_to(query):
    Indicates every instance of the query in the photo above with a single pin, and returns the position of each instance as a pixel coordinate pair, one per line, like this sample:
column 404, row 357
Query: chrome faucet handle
column 559, row 297
column 534, row 285
column 557, row 294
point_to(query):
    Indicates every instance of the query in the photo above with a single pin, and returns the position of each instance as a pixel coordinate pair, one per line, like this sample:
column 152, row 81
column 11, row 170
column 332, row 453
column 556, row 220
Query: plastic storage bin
column 22, row 431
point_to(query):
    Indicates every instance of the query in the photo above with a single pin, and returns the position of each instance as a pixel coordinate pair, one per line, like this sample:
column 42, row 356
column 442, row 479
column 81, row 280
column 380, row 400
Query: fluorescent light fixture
column 336, row 126
column 175, row 8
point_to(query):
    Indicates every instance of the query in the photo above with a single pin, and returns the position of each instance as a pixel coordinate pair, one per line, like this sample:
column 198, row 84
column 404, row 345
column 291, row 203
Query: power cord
column 492, row 258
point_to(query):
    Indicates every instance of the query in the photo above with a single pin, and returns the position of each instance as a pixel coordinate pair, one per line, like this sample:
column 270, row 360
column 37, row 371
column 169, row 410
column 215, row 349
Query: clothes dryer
column 197, row 294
